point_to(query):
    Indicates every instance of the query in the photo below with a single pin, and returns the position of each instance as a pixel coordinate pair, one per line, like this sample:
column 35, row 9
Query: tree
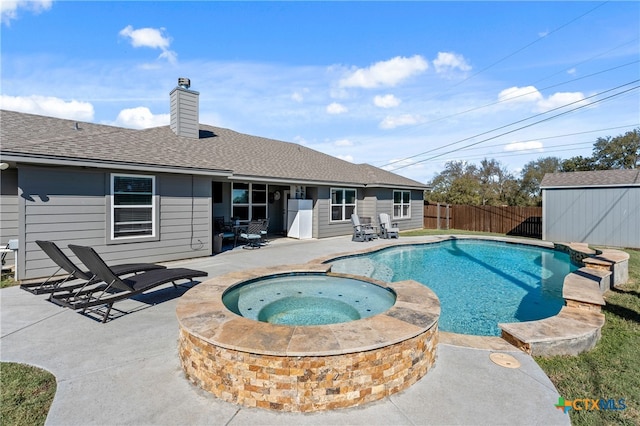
column 620, row 152
column 578, row 164
column 494, row 178
column 531, row 177
column 454, row 183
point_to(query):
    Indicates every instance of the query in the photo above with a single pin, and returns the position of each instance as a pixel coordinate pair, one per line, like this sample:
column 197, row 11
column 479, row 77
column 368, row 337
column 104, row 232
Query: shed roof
column 218, row 150
column 598, row 178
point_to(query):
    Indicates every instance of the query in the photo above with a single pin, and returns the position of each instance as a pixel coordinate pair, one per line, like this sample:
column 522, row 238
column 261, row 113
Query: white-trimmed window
column 132, row 206
column 401, row 204
column 249, row 201
column 343, row 204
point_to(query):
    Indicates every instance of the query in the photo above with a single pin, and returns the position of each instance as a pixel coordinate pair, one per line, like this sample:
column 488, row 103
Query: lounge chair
column 76, row 277
column 252, row 236
column 388, row 229
column 116, row 288
column 361, row 232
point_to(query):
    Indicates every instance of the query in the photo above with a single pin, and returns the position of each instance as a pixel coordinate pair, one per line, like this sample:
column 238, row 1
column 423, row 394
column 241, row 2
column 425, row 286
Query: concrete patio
column 127, row 371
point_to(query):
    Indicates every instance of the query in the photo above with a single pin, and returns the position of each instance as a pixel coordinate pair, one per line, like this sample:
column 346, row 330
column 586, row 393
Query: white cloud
column 449, row 61
column 385, row 73
column 49, row 106
column 141, row 118
column 530, row 94
column 9, row 8
column 336, row 108
column 572, row 71
column 524, row 146
column 386, row 101
column 520, row 94
column 348, row 158
column 152, row 38
column 343, row 142
column 297, row 96
column 391, row 122
column 560, row 99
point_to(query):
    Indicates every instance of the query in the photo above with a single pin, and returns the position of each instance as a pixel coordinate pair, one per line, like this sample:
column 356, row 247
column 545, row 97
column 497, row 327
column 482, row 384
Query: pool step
column 615, row 261
column 584, row 287
column 573, row 331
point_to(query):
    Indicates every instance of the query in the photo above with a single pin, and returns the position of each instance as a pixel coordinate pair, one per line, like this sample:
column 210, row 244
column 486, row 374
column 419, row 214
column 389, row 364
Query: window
column 249, row 201
column 343, row 204
column 401, row 204
column 132, row 206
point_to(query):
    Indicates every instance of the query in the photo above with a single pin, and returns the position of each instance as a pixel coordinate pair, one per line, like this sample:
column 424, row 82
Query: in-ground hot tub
column 306, row 367
column 308, row 299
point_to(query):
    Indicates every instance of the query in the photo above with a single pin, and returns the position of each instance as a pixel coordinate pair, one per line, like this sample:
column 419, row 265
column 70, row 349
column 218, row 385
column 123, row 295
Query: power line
column 509, row 99
column 506, row 125
column 528, row 125
column 530, row 44
column 557, row 136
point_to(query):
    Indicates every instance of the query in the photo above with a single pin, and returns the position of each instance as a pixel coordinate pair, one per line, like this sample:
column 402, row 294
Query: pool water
column 307, row 299
column 479, row 283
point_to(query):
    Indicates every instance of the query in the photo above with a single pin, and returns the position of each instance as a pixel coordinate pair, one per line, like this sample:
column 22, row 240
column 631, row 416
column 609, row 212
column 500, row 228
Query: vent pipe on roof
column 184, row 110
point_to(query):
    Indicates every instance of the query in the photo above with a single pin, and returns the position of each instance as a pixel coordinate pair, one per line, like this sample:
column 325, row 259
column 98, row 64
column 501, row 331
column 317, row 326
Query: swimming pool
column 480, row 283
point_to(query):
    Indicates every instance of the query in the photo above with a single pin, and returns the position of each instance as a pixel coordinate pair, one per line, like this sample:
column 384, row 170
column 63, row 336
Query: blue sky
column 402, row 85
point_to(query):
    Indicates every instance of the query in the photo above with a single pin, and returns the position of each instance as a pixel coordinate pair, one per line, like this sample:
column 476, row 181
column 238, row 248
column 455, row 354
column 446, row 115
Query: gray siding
column 599, row 216
column 71, row 207
column 322, row 226
column 8, row 209
column 371, row 202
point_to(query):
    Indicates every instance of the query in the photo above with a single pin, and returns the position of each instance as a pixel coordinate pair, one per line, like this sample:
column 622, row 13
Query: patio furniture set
column 364, row 230
column 101, row 285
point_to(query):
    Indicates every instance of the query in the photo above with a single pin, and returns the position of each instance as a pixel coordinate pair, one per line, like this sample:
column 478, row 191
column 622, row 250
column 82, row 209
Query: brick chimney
column 184, row 110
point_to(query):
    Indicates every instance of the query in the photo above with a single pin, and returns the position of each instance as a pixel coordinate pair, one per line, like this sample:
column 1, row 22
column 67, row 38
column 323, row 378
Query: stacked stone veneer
column 307, row 383
column 306, row 368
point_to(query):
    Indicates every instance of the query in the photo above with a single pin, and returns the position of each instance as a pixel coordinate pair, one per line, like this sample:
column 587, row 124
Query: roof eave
column 103, row 164
column 613, row 185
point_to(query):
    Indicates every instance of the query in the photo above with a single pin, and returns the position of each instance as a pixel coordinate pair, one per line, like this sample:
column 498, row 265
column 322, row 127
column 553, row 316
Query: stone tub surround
column 305, row 368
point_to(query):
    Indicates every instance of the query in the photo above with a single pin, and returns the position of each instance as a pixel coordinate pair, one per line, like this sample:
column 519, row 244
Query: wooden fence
column 520, row 221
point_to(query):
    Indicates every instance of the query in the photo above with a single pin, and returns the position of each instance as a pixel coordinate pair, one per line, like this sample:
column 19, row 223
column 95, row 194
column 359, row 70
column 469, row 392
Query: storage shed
column 597, row 207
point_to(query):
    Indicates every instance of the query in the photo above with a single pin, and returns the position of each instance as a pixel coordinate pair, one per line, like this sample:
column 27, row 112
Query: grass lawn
column 26, row 394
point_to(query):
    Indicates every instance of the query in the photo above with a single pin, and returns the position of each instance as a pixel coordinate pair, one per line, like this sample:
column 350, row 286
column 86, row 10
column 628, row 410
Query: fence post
column 437, row 215
column 447, row 216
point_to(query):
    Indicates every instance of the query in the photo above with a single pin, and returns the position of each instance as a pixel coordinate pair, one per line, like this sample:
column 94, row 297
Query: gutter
column 53, row 161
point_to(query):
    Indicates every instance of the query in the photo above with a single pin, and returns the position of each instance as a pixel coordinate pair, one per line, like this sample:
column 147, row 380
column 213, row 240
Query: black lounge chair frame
column 76, row 278
column 116, row 288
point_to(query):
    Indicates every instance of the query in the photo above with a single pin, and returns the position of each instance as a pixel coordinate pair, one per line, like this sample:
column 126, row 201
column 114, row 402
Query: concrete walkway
column 127, row 371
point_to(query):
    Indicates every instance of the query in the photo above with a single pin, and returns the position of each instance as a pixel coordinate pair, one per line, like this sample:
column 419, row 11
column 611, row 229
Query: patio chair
column 76, row 277
column 252, row 236
column 388, row 229
column 224, row 228
column 361, row 232
column 264, row 230
column 116, row 288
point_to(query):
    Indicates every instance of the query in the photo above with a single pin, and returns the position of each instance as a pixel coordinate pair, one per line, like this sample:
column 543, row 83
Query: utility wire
column 526, row 126
column 509, row 125
column 529, row 44
column 509, row 99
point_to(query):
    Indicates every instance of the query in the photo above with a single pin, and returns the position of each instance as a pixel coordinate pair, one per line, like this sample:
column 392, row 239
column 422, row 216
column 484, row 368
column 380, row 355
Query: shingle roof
column 217, row 149
column 594, row 178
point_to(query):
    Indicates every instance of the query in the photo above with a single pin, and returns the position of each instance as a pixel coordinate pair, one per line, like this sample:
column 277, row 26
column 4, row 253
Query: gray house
column 152, row 195
column 598, row 207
